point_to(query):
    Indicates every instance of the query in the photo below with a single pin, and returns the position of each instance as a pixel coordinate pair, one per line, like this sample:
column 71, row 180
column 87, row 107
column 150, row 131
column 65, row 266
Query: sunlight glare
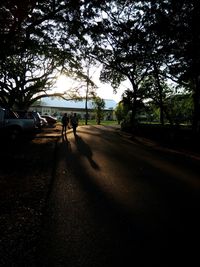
column 105, row 91
column 63, row 83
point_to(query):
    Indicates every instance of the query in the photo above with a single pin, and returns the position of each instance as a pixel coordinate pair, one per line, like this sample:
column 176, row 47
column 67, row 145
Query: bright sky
column 104, row 90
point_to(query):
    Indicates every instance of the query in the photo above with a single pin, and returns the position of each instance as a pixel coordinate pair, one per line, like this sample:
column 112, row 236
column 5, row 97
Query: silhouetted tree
column 99, row 105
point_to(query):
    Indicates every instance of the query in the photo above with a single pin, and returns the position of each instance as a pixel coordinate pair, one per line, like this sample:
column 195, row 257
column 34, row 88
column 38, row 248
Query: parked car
column 12, row 126
column 50, row 119
column 24, row 114
column 40, row 122
column 44, row 122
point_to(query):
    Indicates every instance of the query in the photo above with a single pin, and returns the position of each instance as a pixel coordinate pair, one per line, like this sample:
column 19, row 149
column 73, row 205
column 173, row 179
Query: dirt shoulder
column 25, row 176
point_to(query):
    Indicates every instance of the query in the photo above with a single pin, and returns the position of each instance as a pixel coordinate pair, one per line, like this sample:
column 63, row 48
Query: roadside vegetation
column 94, row 122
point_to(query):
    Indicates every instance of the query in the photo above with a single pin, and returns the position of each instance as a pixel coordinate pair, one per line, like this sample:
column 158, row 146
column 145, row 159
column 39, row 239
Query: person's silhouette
column 74, row 123
column 65, row 121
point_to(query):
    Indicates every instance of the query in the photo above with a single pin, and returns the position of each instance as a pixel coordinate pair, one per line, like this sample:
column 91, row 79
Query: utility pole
column 86, row 97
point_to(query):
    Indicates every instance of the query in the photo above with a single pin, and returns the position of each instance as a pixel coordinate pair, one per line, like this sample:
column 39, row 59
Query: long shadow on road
column 85, row 226
column 85, row 150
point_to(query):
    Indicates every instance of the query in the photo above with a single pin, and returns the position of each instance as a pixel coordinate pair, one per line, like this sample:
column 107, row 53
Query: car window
column 9, row 114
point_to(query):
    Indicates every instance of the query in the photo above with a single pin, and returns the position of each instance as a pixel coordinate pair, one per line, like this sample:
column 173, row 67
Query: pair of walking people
column 73, row 120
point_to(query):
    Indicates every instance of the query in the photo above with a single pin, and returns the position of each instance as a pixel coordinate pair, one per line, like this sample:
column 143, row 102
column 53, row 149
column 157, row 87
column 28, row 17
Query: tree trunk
column 160, row 90
column 134, row 109
column 196, row 114
column 86, row 98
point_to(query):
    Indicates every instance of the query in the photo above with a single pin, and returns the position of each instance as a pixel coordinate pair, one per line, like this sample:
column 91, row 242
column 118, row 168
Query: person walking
column 65, row 121
column 74, row 123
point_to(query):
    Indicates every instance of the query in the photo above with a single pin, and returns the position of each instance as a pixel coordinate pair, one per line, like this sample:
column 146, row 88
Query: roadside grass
column 93, row 122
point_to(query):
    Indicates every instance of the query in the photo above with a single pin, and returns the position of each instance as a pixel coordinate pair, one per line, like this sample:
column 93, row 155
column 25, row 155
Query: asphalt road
column 120, row 202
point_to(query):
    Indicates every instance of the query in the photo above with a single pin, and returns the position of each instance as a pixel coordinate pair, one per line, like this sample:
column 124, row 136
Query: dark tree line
column 146, row 42
column 150, row 41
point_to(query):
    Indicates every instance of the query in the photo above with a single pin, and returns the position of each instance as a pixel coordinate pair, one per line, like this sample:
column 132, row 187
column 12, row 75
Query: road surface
column 119, row 202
